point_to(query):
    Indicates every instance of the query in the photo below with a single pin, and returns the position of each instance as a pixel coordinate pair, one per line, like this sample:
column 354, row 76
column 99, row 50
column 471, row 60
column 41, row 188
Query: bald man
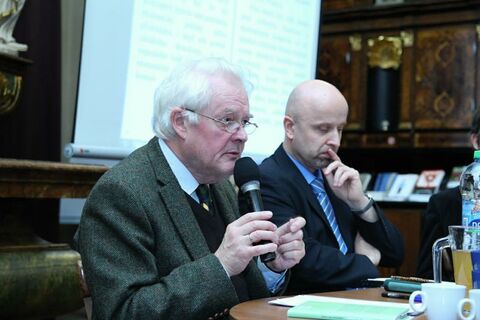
column 346, row 235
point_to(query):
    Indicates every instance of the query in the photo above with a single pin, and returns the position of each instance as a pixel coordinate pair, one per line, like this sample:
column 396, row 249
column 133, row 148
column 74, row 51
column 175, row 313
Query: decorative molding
column 443, row 104
column 12, row 70
column 445, row 53
column 355, row 42
column 407, row 38
column 353, row 126
column 385, row 52
column 10, row 86
column 405, row 125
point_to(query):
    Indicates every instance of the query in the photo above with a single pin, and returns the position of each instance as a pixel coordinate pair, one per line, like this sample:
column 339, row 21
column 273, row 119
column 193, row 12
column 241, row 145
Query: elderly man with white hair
column 160, row 235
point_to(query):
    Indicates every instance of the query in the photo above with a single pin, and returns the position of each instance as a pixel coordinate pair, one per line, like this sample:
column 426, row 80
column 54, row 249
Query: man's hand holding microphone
column 254, row 235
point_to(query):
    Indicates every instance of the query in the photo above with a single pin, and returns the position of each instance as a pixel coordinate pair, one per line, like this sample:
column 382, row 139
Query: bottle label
column 471, row 213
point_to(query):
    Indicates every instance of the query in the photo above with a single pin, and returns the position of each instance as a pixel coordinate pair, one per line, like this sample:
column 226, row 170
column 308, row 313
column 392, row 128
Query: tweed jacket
column 142, row 249
column 324, row 268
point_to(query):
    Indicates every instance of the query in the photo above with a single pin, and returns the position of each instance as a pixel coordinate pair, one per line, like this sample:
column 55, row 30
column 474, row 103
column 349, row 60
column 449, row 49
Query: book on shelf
column 402, row 187
column 429, row 181
column 366, row 178
column 384, row 181
column 454, row 179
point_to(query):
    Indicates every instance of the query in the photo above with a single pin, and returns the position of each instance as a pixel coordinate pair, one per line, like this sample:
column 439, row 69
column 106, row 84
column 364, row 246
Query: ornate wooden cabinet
column 437, row 84
column 445, row 67
column 340, row 60
column 438, row 75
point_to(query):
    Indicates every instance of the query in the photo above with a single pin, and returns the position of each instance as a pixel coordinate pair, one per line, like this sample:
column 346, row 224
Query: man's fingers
column 291, row 249
column 333, row 154
column 251, row 216
column 292, row 226
column 290, row 237
column 261, row 235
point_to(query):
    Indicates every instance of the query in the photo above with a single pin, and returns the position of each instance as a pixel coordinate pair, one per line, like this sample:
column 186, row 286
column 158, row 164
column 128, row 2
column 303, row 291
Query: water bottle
column 470, row 191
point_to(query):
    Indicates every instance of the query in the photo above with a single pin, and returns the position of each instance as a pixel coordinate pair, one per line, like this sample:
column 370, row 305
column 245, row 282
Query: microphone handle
column 257, row 205
column 256, row 200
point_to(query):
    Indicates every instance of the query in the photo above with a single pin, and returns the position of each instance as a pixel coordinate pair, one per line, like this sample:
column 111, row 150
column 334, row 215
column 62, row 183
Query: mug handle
column 473, row 308
column 415, row 306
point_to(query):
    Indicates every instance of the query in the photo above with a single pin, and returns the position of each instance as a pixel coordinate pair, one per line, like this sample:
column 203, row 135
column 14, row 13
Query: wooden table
column 260, row 309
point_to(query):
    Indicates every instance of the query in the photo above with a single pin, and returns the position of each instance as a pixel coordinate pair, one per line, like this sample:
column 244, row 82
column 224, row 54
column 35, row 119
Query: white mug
column 439, row 300
column 474, row 301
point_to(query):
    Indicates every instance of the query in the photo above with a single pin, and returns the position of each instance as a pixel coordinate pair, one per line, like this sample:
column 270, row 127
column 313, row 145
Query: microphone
column 247, row 179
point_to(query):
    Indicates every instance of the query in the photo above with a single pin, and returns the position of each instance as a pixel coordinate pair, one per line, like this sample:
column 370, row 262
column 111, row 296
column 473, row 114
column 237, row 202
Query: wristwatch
column 365, row 209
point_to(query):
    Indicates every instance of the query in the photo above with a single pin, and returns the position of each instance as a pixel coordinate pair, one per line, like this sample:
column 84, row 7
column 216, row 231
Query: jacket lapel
column 176, row 203
column 184, row 220
column 298, row 179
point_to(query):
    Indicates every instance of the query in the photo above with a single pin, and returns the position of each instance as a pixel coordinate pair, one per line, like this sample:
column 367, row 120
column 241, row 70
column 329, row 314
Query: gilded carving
column 443, row 104
column 445, row 73
column 10, row 86
column 405, row 125
column 385, row 52
column 355, row 42
column 445, row 53
column 407, row 38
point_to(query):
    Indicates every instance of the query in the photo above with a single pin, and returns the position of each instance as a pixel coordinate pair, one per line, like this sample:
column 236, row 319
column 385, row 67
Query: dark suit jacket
column 286, row 193
column 444, row 209
column 143, row 252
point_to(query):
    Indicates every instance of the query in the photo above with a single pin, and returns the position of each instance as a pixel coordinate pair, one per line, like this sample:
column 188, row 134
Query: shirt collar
column 307, row 175
column 184, row 177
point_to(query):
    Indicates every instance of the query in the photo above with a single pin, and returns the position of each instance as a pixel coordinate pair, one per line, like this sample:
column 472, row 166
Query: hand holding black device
column 247, row 179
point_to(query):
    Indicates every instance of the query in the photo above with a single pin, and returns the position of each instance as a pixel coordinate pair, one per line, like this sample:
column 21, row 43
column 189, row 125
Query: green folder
column 351, row 311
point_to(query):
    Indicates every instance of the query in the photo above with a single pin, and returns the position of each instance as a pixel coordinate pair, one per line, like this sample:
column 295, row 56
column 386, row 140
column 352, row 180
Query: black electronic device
column 247, row 178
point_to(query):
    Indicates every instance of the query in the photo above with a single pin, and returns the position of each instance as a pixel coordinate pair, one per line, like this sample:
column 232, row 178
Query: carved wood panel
column 406, row 71
column 341, row 63
column 445, row 67
column 409, row 222
column 332, row 5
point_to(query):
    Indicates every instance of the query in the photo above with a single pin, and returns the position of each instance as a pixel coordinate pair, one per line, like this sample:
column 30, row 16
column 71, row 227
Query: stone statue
column 9, row 13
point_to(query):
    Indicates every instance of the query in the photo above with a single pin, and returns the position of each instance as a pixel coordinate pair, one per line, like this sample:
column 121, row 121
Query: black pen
column 397, row 295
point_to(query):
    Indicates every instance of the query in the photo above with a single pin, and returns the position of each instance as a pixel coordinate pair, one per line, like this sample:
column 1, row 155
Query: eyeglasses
column 229, row 125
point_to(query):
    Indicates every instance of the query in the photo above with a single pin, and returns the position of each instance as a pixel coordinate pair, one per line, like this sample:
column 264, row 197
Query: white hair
column 189, row 86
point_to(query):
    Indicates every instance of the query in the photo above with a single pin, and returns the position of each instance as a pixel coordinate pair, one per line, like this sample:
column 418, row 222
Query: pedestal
column 38, row 278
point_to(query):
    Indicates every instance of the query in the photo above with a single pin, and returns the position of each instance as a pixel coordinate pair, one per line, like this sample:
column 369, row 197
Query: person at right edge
column 338, row 255
column 444, row 209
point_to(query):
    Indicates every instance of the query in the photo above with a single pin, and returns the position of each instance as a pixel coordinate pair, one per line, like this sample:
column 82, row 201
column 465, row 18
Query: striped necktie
column 203, row 194
column 322, row 197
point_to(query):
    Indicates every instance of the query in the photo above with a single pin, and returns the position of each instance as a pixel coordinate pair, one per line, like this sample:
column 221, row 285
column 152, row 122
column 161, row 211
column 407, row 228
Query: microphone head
column 245, row 170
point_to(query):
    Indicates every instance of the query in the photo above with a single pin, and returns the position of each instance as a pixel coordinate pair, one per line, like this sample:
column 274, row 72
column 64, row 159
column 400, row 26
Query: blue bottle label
column 471, row 213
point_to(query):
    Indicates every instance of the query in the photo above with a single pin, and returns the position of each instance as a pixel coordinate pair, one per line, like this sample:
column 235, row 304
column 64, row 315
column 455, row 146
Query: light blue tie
column 322, row 197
